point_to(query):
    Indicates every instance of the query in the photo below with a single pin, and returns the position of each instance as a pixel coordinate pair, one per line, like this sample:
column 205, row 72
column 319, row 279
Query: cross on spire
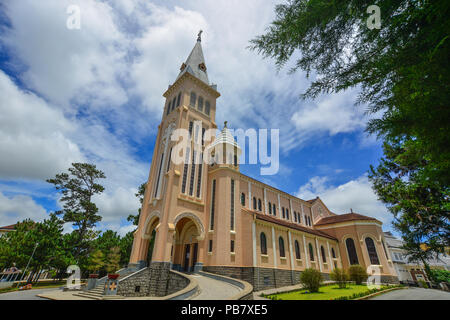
column 199, row 36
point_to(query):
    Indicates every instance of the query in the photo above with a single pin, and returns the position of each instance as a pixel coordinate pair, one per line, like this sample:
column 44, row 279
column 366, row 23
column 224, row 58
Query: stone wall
column 156, row 280
column 261, row 278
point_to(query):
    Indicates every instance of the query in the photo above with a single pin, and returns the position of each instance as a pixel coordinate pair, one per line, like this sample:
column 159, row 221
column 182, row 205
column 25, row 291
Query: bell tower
column 177, row 191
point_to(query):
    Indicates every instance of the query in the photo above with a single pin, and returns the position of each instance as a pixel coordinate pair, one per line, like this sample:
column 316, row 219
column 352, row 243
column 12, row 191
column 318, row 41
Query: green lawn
column 325, row 293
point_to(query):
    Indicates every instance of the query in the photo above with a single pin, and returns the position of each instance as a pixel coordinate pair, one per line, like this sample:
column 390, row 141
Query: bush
column 423, row 284
column 440, row 275
column 340, row 276
column 357, row 274
column 311, row 279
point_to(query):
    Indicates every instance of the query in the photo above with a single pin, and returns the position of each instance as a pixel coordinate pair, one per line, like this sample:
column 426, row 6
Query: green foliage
column 340, row 276
column 113, row 260
column 96, row 261
column 357, row 273
column 140, row 195
column 423, row 284
column 440, row 275
column 311, row 279
column 402, row 70
column 77, row 188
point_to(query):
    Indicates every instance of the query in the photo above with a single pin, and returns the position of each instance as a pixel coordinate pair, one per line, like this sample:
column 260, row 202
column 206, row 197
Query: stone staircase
column 97, row 292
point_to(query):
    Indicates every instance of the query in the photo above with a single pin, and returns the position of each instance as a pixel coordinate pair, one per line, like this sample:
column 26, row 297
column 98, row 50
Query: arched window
column 333, row 253
column 281, row 245
column 207, row 107
column 283, row 213
column 178, row 99
column 372, row 251
column 254, row 203
column 193, row 99
column 297, row 250
column 295, row 216
column 311, row 252
column 322, row 251
column 259, row 205
column 287, row 213
column 200, row 104
column 263, row 243
column 351, row 251
column 270, row 208
column 173, row 102
column 274, row 209
column 168, row 108
column 243, row 199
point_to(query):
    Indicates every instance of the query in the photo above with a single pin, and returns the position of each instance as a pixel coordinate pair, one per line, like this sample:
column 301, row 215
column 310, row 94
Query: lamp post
column 29, row 260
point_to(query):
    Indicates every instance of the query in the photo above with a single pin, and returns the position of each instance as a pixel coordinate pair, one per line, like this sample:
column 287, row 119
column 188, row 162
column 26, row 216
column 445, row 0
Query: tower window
column 232, row 206
column 210, row 246
column 274, row 209
column 191, row 181
column 178, row 99
column 283, row 212
column 297, row 250
column 173, row 102
column 287, row 213
column 243, row 199
column 232, row 246
column 213, row 197
column 193, row 99
column 199, row 178
column 259, row 205
column 263, row 243
column 200, row 104
column 169, row 160
column 185, row 171
column 270, row 208
column 190, row 129
column 207, row 107
column 168, row 108
column 254, row 203
column 295, row 216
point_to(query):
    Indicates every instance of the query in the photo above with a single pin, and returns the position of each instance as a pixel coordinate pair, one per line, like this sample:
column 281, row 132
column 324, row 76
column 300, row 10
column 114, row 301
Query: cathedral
column 211, row 217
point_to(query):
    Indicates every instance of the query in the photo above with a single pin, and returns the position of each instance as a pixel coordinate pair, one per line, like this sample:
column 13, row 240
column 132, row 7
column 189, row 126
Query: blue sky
column 95, row 94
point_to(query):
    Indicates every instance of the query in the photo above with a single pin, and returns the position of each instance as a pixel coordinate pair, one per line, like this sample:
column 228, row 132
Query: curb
column 378, row 293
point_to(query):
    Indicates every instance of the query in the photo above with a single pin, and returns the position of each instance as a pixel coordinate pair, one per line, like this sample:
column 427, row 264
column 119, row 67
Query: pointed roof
column 195, row 63
column 225, row 136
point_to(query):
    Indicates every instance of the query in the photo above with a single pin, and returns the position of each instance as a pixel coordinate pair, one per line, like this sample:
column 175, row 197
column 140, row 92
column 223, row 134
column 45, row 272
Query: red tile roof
column 343, row 218
column 291, row 225
column 10, row 227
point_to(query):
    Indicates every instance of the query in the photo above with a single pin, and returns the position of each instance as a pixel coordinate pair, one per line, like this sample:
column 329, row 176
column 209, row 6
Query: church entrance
column 185, row 254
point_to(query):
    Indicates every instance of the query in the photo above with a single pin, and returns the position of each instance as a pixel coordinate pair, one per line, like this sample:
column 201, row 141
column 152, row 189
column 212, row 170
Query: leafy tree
column 311, row 279
column 77, row 188
column 140, row 196
column 357, row 273
column 126, row 244
column 402, row 70
column 113, row 260
column 96, row 261
column 340, row 276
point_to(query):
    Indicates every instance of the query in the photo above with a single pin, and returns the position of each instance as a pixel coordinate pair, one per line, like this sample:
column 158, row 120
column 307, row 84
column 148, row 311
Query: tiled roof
column 343, row 218
column 291, row 225
column 11, row 227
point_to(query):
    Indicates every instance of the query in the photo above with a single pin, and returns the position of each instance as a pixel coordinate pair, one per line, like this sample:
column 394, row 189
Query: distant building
column 7, row 229
column 407, row 271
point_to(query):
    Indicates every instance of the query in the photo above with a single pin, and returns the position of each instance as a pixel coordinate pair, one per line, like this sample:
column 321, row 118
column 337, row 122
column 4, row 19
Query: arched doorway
column 185, row 253
column 151, row 228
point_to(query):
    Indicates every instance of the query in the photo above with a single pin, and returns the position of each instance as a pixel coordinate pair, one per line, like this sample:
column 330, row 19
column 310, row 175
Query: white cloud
column 18, row 208
column 33, row 141
column 117, row 205
column 355, row 194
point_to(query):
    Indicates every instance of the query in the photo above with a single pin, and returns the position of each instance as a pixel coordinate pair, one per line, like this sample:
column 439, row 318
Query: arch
column 372, row 251
column 351, row 251
column 150, row 224
column 281, row 247
column 198, row 223
column 263, row 243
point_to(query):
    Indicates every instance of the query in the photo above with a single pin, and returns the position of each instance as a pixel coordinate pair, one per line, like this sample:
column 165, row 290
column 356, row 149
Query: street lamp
column 29, row 260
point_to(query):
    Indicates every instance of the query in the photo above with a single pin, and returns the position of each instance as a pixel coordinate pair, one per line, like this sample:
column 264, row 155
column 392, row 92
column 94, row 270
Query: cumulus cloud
column 355, row 194
column 19, row 207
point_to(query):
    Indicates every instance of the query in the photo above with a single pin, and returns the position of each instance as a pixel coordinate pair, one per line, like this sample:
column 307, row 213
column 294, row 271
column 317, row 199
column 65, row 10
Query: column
column 265, row 201
column 254, row 243
column 306, row 252
column 291, row 213
column 303, row 215
column 290, row 250
column 330, row 256
column 319, row 257
column 250, row 195
column 274, row 249
column 279, row 205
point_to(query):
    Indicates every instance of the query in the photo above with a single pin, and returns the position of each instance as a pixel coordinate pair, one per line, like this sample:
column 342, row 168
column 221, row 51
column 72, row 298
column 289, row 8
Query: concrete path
column 414, row 294
column 211, row 289
column 25, row 294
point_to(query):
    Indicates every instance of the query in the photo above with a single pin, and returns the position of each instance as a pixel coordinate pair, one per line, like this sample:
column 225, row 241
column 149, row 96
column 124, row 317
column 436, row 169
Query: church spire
column 195, row 63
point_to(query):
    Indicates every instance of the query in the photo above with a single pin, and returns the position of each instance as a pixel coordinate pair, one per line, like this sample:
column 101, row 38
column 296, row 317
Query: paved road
column 414, row 294
column 212, row 289
column 25, row 295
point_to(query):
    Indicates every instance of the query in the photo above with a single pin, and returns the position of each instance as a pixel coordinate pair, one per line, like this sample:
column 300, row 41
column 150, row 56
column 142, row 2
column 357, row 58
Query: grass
column 50, row 284
column 330, row 292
